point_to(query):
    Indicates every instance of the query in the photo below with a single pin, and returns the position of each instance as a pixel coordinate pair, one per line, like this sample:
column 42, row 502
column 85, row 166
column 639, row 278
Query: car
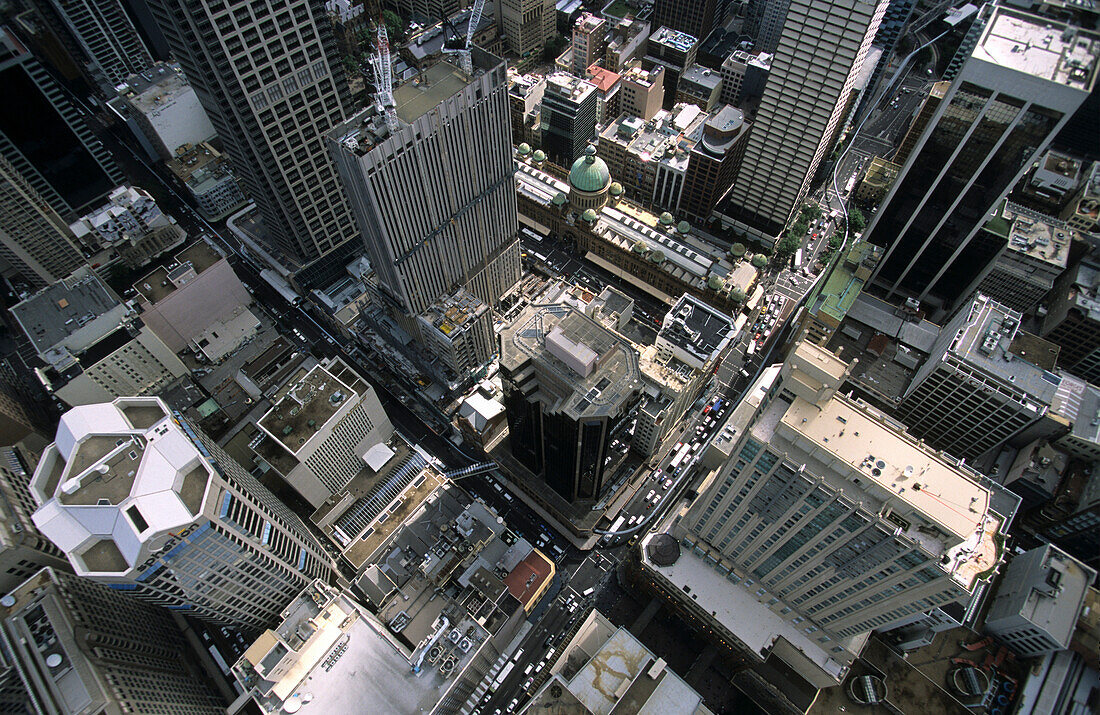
column 650, row 495
column 528, row 683
column 512, row 705
column 667, row 484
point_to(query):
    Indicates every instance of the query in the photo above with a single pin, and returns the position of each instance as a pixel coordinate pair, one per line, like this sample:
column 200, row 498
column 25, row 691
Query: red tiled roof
column 528, row 576
column 604, row 79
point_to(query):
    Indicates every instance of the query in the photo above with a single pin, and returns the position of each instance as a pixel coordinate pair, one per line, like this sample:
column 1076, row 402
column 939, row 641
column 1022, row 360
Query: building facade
column 815, row 67
column 207, row 174
column 272, row 87
column 589, row 42
column 23, row 549
column 1073, row 321
column 78, row 646
column 108, row 39
column 34, row 241
column 439, row 214
column 526, row 25
column 568, row 117
column 142, row 502
column 713, row 163
column 998, row 116
column 695, row 17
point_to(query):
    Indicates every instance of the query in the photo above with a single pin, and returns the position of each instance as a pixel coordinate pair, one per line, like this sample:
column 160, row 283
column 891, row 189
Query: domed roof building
column 589, row 181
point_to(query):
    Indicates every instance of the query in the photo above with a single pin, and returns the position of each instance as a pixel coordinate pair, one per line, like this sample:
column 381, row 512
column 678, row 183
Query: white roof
column 377, row 456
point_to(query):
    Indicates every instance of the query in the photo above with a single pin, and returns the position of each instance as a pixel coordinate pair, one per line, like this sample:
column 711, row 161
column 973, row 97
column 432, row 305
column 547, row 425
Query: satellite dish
column 53, row 660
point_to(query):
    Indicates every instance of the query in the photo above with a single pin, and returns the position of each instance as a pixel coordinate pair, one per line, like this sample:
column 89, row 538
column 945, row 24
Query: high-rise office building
column 568, row 382
column 695, row 17
column 806, row 99
column 79, row 647
column 525, row 25
column 34, row 241
column 23, row 549
column 827, row 521
column 1024, row 78
column 272, row 86
column 108, row 39
column 140, row 500
column 589, row 42
column 436, row 200
column 47, row 140
column 764, row 23
column 1073, row 320
column 713, row 163
column 568, row 117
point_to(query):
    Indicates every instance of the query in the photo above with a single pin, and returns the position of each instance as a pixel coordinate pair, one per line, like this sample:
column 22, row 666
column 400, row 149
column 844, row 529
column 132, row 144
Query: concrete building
column 695, row 334
column 674, row 51
column 92, row 346
column 273, row 88
column 196, row 294
column 604, row 669
column 207, row 175
column 458, row 330
column 108, row 39
column 608, row 85
column 1073, row 321
column 986, row 382
column 694, row 17
column 34, row 241
column 132, row 225
column 1053, row 182
column 142, row 502
column 589, row 42
column 877, row 179
column 700, row 86
column 1035, row 608
column 440, row 215
column 48, row 141
column 764, row 20
column 643, row 91
column 713, row 163
column 320, row 429
column 76, row 646
column 568, row 117
column 1037, row 251
column 829, row 301
column 439, row 619
column 23, row 549
column 525, row 93
column 1083, row 211
column 1012, row 103
column 167, row 108
column 627, row 40
column 744, row 76
column 567, row 383
column 827, row 521
column 526, row 25
column 805, row 103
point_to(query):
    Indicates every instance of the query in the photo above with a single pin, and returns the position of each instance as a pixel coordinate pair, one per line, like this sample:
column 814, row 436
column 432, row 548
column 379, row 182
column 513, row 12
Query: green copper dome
column 589, row 215
column 640, row 247
column 523, row 149
column 715, row 283
column 759, row 261
column 559, row 199
column 590, row 172
column 616, row 188
column 666, row 219
column 657, row 256
column 683, row 227
column 539, row 156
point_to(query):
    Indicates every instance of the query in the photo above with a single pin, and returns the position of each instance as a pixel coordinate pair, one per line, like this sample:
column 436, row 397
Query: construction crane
column 465, row 61
column 383, row 76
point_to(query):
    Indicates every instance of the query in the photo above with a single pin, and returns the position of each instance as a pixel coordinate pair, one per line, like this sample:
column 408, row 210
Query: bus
column 618, row 523
column 798, row 259
column 503, row 674
column 679, row 458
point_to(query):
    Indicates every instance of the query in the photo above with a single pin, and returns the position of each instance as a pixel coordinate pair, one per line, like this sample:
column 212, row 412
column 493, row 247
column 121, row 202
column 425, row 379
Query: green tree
column 856, row 220
column 810, row 212
column 759, row 260
column 788, row 244
column 395, row 26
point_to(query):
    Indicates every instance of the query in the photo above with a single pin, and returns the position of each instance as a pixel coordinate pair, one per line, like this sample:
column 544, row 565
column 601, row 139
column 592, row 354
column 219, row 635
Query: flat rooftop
column 310, row 400
column 60, row 309
column 677, row 40
column 200, row 163
column 616, row 375
column 1040, row 47
column 159, row 284
column 147, row 90
column 1035, row 237
column 845, row 282
column 697, row 328
column 439, row 82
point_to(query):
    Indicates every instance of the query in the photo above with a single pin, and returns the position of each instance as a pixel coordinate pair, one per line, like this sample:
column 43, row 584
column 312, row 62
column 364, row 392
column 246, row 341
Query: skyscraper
column 1026, row 76
column 695, row 17
column 436, row 200
column 139, row 500
column 568, row 117
column 108, row 39
column 272, row 87
column 806, row 98
column 23, row 549
column 33, row 239
column 79, row 647
column 47, row 140
column 764, row 23
column 525, row 25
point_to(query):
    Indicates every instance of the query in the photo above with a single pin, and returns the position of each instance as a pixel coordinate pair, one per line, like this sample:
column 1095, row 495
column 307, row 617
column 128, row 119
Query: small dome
column 539, row 156
column 589, row 215
column 559, row 199
column 666, row 219
column 590, row 172
column 523, row 149
column 657, row 256
column 640, row 247
column 715, row 283
column 759, row 260
column 738, row 250
column 737, row 295
column 616, row 188
column 683, row 227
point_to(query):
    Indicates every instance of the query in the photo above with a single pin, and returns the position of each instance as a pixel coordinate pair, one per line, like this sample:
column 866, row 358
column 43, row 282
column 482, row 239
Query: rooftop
column 1036, row 236
column 696, row 328
column 667, row 135
column 306, row 405
column 439, row 82
column 165, row 280
column 155, row 86
column 566, row 85
column 845, row 283
column 677, row 40
column 604, row 79
column 1040, row 47
column 61, row 309
column 456, row 313
column 201, row 163
column 545, row 333
column 702, row 76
